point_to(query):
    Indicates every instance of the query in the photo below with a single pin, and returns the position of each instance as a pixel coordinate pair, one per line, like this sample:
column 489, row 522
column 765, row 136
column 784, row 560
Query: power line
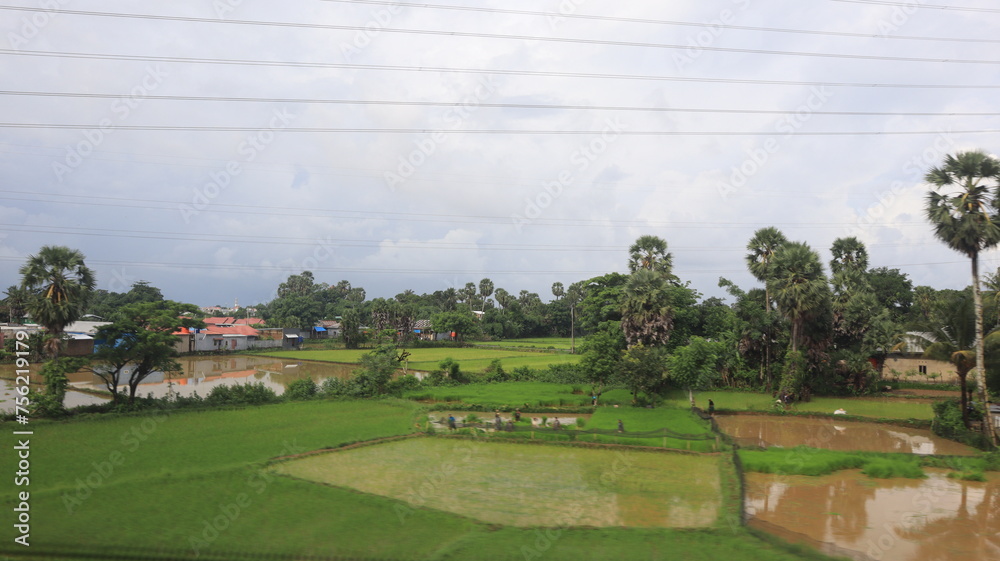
column 498, row 72
column 922, row 5
column 591, row 132
column 270, row 210
column 543, row 106
column 718, row 25
column 507, row 37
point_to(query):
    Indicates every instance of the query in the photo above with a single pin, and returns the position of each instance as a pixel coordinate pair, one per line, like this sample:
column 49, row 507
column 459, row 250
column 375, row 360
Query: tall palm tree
column 485, row 291
column 650, row 253
column 963, row 208
column 798, row 284
column 762, row 247
column 59, row 283
column 503, row 298
column 574, row 295
column 15, row 303
column 647, row 316
column 849, row 254
column 558, row 290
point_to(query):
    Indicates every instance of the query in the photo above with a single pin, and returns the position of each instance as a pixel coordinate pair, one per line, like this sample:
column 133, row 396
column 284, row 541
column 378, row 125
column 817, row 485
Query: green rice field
column 549, row 343
column 471, row 359
column 522, row 485
column 876, row 408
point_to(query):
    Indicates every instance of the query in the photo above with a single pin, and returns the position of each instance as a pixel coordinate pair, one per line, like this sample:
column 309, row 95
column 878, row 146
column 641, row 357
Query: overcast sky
column 401, row 146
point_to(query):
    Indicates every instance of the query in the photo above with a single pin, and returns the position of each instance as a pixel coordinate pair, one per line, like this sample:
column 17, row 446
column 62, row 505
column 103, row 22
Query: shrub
column 241, row 394
column 403, row 384
column 495, row 372
column 452, row 370
column 303, row 389
column 948, row 424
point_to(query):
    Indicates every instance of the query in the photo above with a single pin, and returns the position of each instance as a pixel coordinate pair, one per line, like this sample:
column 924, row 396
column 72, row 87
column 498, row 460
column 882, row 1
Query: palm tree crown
column 650, row 253
column 59, row 284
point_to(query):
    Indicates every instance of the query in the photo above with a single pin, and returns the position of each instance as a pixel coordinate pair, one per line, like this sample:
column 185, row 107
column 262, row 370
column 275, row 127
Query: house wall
column 904, row 365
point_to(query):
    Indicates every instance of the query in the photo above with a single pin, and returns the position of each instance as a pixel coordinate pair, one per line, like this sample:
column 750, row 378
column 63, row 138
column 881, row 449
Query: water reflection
column 885, row 519
column 835, row 434
column 198, row 375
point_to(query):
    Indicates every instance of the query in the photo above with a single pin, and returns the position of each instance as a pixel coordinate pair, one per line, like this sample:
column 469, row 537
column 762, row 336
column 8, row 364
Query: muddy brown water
column 936, row 518
column 834, row 434
column 199, row 374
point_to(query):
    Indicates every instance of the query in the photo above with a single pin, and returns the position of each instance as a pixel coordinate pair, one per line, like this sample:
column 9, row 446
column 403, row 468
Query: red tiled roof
column 249, row 321
column 231, row 330
column 219, row 320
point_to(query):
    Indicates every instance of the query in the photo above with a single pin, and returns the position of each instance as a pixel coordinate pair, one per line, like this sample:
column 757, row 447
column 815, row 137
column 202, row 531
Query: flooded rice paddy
column 197, row 375
column 848, row 513
column 835, row 434
column 529, row 485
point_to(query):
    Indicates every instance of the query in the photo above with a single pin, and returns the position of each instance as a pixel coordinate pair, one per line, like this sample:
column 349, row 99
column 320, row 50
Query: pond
column 850, row 514
column 835, row 434
column 199, row 374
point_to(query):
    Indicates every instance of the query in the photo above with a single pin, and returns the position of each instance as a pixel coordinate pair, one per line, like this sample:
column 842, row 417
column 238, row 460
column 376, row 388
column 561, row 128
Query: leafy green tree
column 762, row 247
column 294, row 311
column 695, row 365
column 602, row 300
column 893, row 289
column 303, row 284
column 647, row 316
column 350, row 329
column 377, row 369
column 963, row 207
column 50, row 403
column 461, row 321
column 58, row 283
column 650, row 253
column 642, row 369
column 602, row 357
column 139, row 342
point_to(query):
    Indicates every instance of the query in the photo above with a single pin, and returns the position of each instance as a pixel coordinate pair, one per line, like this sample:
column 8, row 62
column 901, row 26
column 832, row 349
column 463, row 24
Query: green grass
column 101, row 486
column 550, row 343
column 471, row 359
column 876, row 408
column 521, row 485
column 508, row 394
column 802, row 460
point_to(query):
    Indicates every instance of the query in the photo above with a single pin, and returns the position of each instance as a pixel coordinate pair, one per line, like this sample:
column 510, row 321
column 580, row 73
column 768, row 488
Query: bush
column 303, row 389
column 495, row 372
column 241, row 394
column 333, row 387
column 403, row 384
column 452, row 371
column 948, row 424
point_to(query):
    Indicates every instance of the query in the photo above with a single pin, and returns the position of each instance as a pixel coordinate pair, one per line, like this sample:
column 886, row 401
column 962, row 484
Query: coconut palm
column 762, row 247
column 798, row 284
column 58, row 283
column 963, row 208
column 951, row 337
column 647, row 317
column 650, row 253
